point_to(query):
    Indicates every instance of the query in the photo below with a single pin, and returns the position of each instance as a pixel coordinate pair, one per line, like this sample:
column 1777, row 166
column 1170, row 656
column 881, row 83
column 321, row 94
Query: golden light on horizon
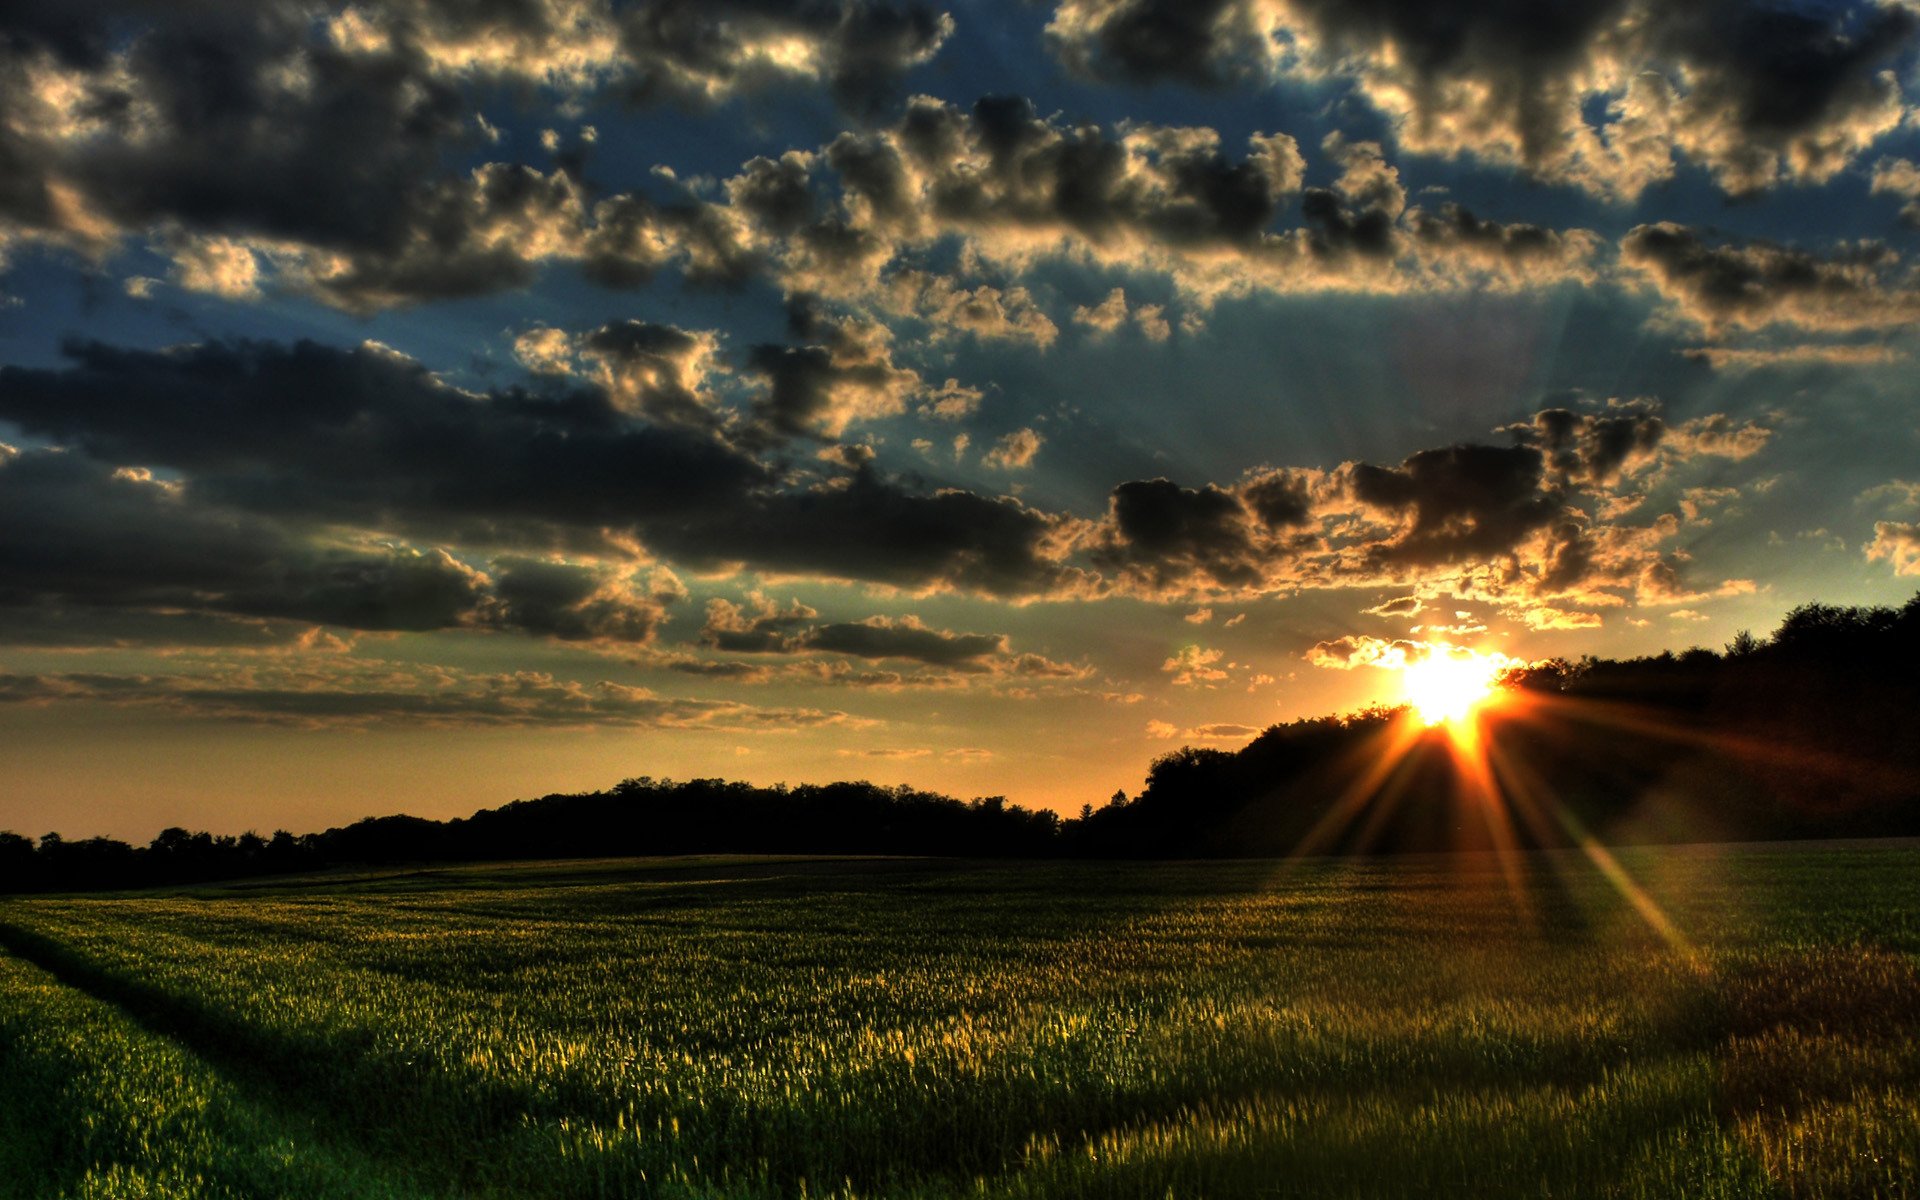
column 1450, row 684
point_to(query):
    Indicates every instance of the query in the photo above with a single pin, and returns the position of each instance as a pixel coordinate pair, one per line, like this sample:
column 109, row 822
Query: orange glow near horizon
column 1449, row 684
column 1502, row 807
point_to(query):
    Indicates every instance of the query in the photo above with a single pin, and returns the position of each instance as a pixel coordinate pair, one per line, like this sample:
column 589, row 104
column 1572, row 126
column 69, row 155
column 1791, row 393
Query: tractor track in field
column 259, row 1079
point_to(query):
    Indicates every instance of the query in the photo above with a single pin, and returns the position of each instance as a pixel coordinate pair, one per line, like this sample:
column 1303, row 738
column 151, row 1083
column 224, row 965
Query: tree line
column 1808, row 733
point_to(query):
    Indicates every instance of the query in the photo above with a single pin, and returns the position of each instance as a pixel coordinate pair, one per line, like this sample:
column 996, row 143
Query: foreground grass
column 764, row 1028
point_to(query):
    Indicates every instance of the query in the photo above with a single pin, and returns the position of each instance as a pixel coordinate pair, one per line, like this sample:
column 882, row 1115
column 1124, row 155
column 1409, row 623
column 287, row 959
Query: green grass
column 751, row 1028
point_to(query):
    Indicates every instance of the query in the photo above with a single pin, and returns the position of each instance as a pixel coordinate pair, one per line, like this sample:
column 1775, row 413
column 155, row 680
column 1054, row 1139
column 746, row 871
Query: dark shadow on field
column 276, row 1077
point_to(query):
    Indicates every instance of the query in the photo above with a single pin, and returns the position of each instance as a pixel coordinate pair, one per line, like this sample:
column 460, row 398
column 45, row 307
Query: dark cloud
column 1281, row 499
column 87, row 537
column 83, row 534
column 875, row 528
column 701, row 49
column 906, row 638
column 766, row 628
column 1755, row 284
column 1604, row 93
column 384, row 694
column 1163, row 534
column 658, row 371
column 54, row 623
column 366, row 435
column 1593, row 448
column 319, row 135
column 1463, row 502
column 580, row 602
column 310, row 434
column 1204, row 43
column 818, row 390
column 1002, row 164
column 212, row 120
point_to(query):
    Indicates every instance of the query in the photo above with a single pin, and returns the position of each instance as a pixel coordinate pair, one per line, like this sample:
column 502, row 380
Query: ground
column 1701, row 1021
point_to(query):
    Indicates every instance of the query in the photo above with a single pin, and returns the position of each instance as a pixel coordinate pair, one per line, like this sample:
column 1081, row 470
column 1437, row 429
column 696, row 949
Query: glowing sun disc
column 1448, row 687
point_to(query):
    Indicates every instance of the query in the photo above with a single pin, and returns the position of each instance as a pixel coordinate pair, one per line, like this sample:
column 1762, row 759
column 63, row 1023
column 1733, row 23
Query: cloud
column 767, row 628
column 1455, row 503
column 1105, row 317
column 1402, row 606
column 1362, row 650
column 1896, row 543
column 1759, row 358
column 1222, row 731
column 1015, row 451
column 1595, row 448
column 238, row 138
column 818, row 390
column 579, row 602
column 862, row 218
column 1218, row 732
column 708, row 49
column 85, row 535
column 905, row 638
column 1195, row 665
column 1161, row 535
column 1900, row 177
column 951, row 401
column 1756, row 284
column 368, row 436
column 1518, row 525
column 365, row 693
column 658, row 371
column 1111, row 313
column 1604, row 94
column 950, row 309
column 315, row 436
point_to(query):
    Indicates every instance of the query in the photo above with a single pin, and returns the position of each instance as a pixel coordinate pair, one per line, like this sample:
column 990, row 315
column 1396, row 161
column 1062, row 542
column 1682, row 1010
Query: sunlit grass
column 743, row 1029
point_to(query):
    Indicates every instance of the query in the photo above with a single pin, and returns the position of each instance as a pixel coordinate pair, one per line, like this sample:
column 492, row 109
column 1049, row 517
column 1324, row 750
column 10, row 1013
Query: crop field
column 1710, row 1021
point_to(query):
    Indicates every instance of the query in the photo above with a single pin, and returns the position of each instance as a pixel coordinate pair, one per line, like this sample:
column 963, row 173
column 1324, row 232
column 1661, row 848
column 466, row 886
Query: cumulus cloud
column 1015, row 451
column 1363, row 650
column 1605, row 94
column 1896, row 543
column 360, row 211
column 1549, row 518
column 817, row 390
column 1900, row 177
column 1106, row 316
column 659, row 371
column 1112, row 313
column 1195, row 664
column 985, row 312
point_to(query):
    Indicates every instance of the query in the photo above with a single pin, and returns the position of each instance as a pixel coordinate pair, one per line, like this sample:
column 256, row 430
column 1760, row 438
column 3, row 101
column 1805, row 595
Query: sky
column 415, row 406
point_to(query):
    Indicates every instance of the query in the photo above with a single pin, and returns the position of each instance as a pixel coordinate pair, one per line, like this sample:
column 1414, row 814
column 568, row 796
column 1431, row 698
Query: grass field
column 901, row 1028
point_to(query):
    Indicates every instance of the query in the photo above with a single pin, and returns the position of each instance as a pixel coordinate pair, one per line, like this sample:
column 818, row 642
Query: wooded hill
column 1812, row 732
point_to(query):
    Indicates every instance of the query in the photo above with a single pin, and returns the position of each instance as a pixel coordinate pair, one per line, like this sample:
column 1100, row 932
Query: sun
column 1448, row 684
